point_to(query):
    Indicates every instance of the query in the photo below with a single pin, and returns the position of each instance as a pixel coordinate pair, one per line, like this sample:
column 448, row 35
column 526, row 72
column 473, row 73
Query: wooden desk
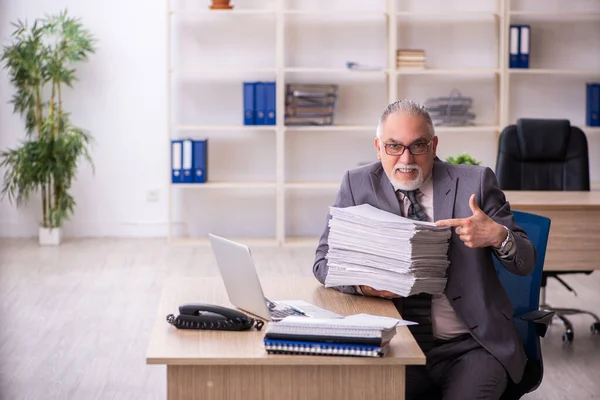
column 575, row 230
column 234, row 365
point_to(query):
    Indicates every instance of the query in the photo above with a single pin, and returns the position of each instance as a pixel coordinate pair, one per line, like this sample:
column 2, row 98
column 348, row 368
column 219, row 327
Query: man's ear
column 435, row 143
column 376, row 142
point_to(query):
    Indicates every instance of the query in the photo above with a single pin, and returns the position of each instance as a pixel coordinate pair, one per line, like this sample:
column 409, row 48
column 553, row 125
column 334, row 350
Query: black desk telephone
column 208, row 316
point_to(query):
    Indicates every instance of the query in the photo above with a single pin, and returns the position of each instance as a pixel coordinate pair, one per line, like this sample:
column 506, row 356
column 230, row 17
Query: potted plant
column 463, row 158
column 221, row 5
column 40, row 63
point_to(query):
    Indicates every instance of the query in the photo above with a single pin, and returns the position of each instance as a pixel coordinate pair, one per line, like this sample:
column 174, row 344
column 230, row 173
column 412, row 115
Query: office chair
column 524, row 294
column 546, row 154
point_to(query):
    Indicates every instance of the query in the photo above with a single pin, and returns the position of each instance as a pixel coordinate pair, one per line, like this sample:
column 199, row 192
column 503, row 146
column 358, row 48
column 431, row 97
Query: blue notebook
column 274, row 346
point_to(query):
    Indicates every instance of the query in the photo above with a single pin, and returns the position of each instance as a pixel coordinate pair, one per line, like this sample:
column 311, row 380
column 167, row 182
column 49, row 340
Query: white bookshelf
column 273, row 184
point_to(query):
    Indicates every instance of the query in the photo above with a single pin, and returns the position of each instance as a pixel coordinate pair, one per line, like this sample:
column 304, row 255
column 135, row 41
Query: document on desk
column 370, row 318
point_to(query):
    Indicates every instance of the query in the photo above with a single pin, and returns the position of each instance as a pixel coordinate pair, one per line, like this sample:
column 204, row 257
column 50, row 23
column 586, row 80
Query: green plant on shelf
column 463, row 158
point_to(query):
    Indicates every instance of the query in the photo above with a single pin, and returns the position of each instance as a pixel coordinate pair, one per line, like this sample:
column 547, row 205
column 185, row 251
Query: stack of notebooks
column 308, row 104
column 410, row 59
column 453, row 110
column 333, row 337
column 369, row 246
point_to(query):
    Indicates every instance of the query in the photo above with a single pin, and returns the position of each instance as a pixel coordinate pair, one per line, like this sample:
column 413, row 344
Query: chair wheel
column 567, row 337
column 595, row 328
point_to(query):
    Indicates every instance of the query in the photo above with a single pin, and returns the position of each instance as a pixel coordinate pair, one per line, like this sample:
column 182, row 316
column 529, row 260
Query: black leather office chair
column 546, row 154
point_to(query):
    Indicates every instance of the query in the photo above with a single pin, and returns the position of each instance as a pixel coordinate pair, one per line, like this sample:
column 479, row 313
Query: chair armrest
column 541, row 318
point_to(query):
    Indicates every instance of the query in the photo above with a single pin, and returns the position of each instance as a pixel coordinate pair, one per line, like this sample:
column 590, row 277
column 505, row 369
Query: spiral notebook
column 274, row 346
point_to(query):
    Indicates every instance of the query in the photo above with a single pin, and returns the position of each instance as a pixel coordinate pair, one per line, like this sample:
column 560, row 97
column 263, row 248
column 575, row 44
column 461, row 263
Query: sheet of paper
column 368, row 318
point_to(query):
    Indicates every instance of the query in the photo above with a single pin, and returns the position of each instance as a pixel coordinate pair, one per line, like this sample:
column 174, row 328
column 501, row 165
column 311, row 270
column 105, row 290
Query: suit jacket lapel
column 444, row 192
column 384, row 191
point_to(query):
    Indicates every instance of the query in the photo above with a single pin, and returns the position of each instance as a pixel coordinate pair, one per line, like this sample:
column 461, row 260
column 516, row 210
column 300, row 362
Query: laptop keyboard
column 285, row 312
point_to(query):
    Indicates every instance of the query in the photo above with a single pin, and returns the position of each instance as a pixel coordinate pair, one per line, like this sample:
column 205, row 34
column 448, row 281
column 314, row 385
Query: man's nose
column 406, row 157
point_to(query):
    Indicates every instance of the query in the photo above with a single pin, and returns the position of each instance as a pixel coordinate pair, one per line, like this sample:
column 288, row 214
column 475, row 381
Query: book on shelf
column 189, row 161
column 519, row 46
column 358, row 335
column 259, row 103
column 592, row 104
column 410, row 59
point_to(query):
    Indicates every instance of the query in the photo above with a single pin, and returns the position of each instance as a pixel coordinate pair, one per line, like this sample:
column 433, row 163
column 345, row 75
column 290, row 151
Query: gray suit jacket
column 473, row 288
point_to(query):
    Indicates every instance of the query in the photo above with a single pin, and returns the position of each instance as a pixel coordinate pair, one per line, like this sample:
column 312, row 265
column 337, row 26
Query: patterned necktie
column 417, row 307
column 414, row 209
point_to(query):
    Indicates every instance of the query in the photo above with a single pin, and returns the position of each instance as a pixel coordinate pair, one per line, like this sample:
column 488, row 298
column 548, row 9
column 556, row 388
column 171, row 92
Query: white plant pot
column 49, row 236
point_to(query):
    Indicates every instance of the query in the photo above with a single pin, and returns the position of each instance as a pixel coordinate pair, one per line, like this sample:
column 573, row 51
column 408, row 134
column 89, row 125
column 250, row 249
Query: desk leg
column 299, row 382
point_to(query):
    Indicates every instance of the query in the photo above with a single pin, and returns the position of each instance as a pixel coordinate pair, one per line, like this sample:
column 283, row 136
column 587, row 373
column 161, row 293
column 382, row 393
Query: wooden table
column 234, row 365
column 574, row 242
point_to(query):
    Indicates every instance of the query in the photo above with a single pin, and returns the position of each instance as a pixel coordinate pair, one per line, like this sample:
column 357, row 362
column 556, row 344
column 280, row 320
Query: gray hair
column 407, row 107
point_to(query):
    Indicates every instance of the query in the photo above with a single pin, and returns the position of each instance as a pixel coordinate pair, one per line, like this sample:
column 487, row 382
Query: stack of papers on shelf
column 359, row 335
column 369, row 246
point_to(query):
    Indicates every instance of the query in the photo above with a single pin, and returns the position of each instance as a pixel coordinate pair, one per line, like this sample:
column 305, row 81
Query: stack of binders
column 189, row 161
column 519, row 42
column 310, row 104
column 259, row 103
column 330, row 337
column 593, row 104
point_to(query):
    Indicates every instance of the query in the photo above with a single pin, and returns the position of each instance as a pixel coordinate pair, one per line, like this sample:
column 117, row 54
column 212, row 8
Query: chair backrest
column 524, row 291
column 543, row 154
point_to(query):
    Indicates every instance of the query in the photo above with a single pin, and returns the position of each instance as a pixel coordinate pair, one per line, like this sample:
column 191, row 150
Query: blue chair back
column 524, row 291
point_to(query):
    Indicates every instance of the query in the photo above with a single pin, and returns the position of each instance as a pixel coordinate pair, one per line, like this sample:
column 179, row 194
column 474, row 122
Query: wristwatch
column 507, row 244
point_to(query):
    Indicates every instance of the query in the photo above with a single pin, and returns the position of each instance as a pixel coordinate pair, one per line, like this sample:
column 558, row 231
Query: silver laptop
column 244, row 289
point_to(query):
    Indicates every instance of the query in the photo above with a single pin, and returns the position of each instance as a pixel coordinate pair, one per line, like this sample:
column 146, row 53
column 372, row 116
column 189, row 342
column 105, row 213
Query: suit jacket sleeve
column 344, row 199
column 495, row 205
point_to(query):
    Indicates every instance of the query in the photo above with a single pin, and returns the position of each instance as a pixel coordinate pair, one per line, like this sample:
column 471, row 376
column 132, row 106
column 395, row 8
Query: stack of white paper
column 369, row 246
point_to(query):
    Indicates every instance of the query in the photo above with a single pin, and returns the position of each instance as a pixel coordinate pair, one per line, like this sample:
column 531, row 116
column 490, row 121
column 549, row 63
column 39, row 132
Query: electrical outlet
column 152, row 196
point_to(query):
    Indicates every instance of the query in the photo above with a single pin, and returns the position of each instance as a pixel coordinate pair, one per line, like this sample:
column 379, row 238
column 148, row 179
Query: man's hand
column 478, row 230
column 369, row 291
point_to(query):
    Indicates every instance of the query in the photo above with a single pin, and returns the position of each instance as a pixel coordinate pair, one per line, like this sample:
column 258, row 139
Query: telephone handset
column 208, row 316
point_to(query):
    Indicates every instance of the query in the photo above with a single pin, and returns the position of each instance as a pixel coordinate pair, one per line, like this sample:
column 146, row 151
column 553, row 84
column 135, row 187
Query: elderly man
column 467, row 332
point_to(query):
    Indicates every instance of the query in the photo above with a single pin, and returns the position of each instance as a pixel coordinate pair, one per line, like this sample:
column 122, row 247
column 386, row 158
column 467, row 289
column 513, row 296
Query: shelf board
column 333, row 128
column 336, row 71
column 466, row 129
column 312, row 185
column 550, row 71
column 220, row 71
column 224, row 127
column 452, row 16
column 226, row 185
column 556, row 16
column 234, row 11
column 456, row 71
column 335, row 13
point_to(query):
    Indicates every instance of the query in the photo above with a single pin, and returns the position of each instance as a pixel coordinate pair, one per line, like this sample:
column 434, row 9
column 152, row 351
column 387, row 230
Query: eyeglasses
column 416, row 149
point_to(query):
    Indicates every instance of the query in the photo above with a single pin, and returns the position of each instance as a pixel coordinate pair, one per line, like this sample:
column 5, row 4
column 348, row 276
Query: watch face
column 508, row 246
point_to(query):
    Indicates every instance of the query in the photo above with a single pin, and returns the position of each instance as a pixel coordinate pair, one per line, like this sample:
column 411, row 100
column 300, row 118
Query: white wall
column 121, row 100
